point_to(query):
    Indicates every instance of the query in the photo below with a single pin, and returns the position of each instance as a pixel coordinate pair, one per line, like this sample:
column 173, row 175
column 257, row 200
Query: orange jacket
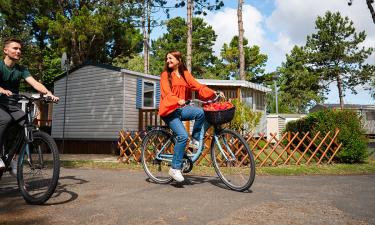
column 181, row 89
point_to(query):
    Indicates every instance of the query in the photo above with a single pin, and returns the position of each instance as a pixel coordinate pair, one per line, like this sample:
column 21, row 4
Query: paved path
column 103, row 196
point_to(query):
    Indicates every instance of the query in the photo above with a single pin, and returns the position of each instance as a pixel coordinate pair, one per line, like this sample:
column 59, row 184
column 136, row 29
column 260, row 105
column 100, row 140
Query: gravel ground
column 100, row 196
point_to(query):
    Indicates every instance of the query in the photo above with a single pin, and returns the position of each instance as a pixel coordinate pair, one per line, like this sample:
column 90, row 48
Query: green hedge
column 354, row 148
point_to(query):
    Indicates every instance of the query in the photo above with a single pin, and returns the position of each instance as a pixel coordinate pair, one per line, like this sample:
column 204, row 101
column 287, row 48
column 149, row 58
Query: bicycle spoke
column 157, row 142
column 38, row 169
column 233, row 160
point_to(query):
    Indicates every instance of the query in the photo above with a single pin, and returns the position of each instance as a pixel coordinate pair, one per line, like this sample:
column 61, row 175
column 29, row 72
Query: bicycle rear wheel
column 233, row 160
column 38, row 169
column 157, row 141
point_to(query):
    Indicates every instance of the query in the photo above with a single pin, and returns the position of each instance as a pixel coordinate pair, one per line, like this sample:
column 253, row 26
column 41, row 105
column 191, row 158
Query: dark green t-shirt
column 10, row 77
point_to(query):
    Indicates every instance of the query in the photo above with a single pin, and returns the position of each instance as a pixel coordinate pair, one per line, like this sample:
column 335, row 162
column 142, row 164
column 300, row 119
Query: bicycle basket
column 220, row 116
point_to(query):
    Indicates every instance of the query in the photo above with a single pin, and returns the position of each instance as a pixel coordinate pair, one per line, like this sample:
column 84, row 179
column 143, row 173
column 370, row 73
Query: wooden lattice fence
column 289, row 149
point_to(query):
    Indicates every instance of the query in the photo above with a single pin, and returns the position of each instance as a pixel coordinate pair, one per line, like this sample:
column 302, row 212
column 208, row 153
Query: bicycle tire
column 237, row 173
column 156, row 170
column 37, row 179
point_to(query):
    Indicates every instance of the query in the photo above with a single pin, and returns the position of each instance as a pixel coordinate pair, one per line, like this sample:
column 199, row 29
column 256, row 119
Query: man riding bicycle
column 11, row 74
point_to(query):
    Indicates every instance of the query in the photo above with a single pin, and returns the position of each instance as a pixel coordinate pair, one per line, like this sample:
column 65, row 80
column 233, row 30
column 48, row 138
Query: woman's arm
column 203, row 90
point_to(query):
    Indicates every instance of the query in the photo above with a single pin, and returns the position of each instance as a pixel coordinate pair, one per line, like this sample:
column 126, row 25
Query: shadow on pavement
column 10, row 194
column 194, row 180
column 8, row 187
column 62, row 193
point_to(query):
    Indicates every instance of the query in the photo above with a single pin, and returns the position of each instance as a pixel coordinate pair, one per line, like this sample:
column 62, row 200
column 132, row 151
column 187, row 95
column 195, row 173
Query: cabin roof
column 227, row 83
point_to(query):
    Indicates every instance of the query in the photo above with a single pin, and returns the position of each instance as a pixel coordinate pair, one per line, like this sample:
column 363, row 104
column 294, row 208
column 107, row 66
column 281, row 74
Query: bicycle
column 230, row 154
column 38, row 165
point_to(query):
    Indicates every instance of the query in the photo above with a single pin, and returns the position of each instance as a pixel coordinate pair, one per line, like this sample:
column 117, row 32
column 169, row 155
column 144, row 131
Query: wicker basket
column 220, row 117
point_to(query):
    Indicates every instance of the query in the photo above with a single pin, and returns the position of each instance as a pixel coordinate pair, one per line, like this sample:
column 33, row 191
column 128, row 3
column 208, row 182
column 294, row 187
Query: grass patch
column 99, row 164
column 334, row 169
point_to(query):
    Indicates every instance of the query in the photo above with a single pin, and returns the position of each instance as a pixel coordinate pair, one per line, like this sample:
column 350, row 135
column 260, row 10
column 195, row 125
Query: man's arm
column 40, row 87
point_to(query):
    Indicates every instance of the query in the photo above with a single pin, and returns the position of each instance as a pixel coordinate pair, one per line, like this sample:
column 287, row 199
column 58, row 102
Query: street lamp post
column 64, row 66
column 276, row 100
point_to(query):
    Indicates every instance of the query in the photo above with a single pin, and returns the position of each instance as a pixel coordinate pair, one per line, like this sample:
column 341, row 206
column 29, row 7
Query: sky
column 277, row 25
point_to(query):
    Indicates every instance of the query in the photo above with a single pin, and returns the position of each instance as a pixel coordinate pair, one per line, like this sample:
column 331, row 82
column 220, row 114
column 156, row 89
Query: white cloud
column 288, row 25
column 225, row 25
column 295, row 19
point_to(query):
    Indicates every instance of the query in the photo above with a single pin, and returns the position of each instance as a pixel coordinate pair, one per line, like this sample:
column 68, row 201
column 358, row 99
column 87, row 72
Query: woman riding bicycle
column 177, row 84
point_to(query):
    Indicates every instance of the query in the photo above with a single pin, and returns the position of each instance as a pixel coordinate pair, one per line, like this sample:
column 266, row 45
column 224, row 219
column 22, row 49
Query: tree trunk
column 189, row 34
column 144, row 19
column 371, row 9
column 339, row 87
column 240, row 41
column 148, row 34
column 75, row 52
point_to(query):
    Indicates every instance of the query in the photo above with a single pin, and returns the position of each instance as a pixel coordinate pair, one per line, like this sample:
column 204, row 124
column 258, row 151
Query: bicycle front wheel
column 233, row 160
column 38, row 169
column 157, row 143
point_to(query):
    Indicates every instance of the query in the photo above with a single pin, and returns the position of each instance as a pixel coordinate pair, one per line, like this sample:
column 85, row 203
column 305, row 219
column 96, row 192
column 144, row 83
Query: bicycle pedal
column 156, row 161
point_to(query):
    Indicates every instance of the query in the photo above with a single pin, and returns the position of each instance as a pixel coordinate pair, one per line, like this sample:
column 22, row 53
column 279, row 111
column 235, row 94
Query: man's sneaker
column 194, row 144
column 2, row 165
column 176, row 174
column 13, row 167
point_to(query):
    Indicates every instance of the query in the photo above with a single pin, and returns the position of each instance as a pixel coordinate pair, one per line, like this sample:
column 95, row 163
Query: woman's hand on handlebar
column 181, row 102
column 220, row 94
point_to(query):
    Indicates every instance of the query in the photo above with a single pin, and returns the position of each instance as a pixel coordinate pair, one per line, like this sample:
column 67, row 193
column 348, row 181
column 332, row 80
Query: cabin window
column 260, row 102
column 249, row 101
column 148, row 94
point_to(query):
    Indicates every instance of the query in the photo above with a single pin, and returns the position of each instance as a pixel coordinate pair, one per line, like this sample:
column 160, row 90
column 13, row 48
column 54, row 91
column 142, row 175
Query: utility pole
column 276, row 100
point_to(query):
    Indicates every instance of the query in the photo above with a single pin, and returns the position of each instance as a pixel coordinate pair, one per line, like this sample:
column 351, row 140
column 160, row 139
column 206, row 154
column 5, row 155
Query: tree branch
column 371, row 9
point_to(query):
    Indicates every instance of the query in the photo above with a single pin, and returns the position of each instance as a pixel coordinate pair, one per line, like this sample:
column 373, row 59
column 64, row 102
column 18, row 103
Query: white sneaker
column 176, row 174
column 13, row 167
column 194, row 144
column 2, row 165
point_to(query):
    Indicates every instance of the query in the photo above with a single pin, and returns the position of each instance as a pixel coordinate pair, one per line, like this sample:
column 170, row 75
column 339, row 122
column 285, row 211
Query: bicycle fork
column 227, row 152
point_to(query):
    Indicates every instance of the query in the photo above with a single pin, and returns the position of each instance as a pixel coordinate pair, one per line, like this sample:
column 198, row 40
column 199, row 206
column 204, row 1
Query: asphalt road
column 99, row 196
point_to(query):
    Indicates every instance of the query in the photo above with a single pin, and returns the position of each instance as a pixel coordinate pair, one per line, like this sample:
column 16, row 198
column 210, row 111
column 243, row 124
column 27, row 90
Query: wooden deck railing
column 149, row 118
column 290, row 149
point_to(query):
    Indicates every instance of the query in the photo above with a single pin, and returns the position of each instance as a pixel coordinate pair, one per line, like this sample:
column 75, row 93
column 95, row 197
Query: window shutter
column 157, row 95
column 139, row 93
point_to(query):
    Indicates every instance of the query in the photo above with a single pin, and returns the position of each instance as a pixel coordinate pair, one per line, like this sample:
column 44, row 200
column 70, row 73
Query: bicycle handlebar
column 33, row 99
column 189, row 101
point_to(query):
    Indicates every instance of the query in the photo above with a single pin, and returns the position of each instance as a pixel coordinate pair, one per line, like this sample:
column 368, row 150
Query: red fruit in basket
column 218, row 106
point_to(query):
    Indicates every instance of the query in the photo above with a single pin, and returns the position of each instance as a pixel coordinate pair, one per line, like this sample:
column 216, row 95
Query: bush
column 245, row 119
column 354, row 143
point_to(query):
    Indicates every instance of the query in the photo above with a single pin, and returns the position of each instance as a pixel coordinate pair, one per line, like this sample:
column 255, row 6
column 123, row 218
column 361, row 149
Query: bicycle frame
column 195, row 156
column 23, row 137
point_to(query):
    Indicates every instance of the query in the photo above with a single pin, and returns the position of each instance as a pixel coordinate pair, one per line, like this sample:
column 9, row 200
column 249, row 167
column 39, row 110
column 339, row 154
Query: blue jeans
column 174, row 121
